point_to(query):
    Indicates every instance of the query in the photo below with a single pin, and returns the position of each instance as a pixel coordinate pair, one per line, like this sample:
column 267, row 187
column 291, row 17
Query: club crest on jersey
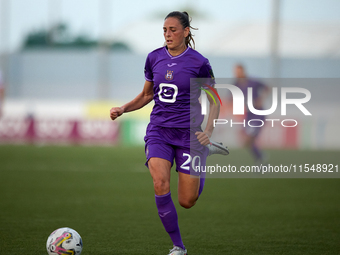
column 169, row 76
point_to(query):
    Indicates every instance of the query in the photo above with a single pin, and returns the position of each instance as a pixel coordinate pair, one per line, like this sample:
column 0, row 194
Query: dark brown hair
column 185, row 20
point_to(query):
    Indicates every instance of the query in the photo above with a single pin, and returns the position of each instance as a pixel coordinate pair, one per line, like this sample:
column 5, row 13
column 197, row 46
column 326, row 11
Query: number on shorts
column 186, row 165
column 196, row 161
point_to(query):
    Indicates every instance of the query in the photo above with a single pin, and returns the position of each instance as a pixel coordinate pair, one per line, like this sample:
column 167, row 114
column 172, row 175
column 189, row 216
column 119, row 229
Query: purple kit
column 176, row 115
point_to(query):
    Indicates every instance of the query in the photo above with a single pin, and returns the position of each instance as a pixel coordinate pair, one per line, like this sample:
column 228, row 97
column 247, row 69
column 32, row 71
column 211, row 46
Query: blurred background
column 64, row 63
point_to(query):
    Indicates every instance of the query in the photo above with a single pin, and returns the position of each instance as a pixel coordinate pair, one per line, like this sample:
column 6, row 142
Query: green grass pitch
column 106, row 194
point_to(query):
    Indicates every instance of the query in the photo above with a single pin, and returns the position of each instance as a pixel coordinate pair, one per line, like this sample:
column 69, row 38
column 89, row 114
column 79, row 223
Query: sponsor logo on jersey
column 172, row 64
column 167, row 92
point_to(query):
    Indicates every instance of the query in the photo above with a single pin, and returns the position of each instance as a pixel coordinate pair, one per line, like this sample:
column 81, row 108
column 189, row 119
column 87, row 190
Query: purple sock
column 168, row 215
column 202, row 181
column 256, row 152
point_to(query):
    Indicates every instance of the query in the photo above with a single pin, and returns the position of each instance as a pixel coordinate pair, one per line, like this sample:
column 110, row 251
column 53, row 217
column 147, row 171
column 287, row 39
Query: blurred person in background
column 250, row 134
column 2, row 94
column 174, row 132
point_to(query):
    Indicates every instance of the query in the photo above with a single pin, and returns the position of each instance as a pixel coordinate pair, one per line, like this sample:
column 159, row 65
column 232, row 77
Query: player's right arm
column 138, row 102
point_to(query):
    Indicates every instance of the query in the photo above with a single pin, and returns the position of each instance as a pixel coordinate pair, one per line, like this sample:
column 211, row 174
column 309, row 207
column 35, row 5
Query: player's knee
column 187, row 203
column 161, row 186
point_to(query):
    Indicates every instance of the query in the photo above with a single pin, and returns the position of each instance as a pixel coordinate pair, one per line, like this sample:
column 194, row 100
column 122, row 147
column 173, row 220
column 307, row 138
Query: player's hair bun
column 186, row 13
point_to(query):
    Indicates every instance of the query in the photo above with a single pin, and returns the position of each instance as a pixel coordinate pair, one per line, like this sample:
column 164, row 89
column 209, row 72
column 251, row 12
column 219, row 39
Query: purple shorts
column 179, row 144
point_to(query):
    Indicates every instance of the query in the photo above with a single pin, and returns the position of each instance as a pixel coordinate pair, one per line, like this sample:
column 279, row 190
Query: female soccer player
column 260, row 93
column 174, row 131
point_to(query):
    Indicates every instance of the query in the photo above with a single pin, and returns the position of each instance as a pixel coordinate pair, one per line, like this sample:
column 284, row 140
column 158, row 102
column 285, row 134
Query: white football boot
column 217, row 148
column 178, row 251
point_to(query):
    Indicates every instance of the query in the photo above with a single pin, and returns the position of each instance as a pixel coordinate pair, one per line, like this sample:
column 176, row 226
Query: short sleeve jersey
column 176, row 99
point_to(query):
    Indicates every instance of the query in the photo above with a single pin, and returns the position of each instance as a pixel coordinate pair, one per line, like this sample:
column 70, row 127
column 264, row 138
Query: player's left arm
column 214, row 106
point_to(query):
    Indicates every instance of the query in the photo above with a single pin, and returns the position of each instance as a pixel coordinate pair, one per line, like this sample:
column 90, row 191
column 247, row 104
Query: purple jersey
column 257, row 90
column 176, row 101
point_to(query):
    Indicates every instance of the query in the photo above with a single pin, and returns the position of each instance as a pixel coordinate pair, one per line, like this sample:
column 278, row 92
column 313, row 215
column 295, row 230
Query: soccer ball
column 64, row 241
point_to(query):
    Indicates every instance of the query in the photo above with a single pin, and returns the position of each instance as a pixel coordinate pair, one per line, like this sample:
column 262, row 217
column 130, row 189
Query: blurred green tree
column 59, row 37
